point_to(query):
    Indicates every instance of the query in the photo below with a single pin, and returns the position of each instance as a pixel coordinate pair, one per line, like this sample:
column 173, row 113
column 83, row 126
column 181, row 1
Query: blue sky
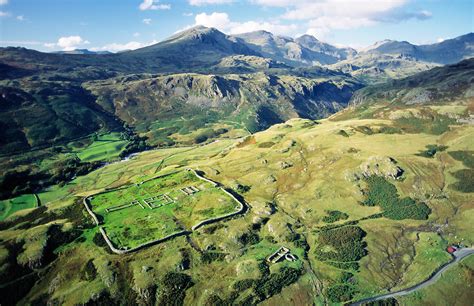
column 50, row 25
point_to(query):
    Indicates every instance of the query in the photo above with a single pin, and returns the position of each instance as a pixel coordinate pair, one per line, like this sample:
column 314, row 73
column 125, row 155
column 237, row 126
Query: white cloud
column 187, row 14
column 323, row 16
column 116, row 47
column 4, row 14
column 136, row 34
column 355, row 9
column 222, row 22
column 209, row 2
column 146, row 21
column 153, row 5
column 275, row 28
column 214, row 20
column 68, row 43
column 20, row 18
column 3, row 2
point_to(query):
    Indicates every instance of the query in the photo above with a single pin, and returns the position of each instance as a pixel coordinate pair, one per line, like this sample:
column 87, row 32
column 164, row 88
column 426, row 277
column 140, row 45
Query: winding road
column 457, row 256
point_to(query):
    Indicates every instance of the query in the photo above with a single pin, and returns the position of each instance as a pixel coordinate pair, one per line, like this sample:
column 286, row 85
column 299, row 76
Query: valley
column 263, row 170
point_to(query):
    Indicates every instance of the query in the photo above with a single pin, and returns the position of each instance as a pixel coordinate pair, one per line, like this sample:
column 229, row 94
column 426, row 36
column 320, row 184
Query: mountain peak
column 307, row 37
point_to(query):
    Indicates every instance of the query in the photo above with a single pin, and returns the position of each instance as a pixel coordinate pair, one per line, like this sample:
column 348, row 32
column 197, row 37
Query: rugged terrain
column 367, row 199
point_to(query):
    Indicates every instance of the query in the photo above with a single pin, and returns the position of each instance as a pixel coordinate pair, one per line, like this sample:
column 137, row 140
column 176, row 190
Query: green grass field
column 106, row 147
column 10, row 206
column 137, row 224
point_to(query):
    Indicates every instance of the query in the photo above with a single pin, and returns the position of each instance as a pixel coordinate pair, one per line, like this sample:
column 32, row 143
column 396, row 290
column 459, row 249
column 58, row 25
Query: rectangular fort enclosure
column 154, row 209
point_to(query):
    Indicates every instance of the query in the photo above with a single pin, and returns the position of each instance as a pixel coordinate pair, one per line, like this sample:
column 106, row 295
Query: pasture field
column 454, row 286
column 159, row 207
column 106, row 147
column 10, row 206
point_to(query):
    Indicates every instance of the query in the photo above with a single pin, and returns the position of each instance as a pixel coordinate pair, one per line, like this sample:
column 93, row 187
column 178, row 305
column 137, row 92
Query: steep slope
column 438, row 85
column 305, row 50
column 378, row 68
column 255, row 100
column 38, row 114
column 207, row 46
column 391, row 59
column 312, row 43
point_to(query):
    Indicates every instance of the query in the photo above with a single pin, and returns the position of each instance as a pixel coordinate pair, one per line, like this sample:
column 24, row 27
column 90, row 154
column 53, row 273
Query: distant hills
column 82, row 51
column 440, row 85
column 302, row 51
column 203, row 50
column 449, row 51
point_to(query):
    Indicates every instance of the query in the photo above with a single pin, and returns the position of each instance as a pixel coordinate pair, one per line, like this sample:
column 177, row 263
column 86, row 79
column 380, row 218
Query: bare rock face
column 270, row 179
column 285, row 165
column 381, row 166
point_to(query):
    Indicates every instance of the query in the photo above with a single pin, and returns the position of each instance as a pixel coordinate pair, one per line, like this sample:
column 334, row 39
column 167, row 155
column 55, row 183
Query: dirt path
column 457, row 256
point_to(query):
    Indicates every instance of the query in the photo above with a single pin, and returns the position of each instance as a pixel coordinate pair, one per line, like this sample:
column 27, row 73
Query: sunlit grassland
column 135, row 225
column 11, row 206
column 105, row 147
column 299, row 174
column 454, row 286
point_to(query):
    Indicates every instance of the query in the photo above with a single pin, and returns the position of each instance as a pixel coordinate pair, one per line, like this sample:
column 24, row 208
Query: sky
column 114, row 25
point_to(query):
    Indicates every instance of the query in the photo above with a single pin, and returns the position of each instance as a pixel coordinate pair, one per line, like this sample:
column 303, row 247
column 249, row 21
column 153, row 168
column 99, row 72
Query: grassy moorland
column 329, row 190
column 104, row 147
column 295, row 175
column 10, row 206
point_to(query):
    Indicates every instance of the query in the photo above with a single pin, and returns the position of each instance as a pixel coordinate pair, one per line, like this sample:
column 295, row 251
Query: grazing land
column 159, row 207
column 104, row 147
column 9, row 207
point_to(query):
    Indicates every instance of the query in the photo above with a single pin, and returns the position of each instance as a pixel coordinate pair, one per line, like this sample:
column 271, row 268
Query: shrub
column 465, row 181
column 431, row 150
column 173, row 288
column 466, row 157
column 384, row 194
column 347, row 242
column 364, row 130
column 390, row 130
column 249, row 238
column 344, row 265
column 267, row 144
column 340, row 293
column 243, row 188
column 343, row 133
column 334, row 216
column 436, row 124
column 208, row 257
column 274, row 283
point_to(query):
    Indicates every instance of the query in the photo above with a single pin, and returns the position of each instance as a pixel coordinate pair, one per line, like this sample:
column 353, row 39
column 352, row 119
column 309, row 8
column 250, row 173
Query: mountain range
column 254, row 79
column 210, row 47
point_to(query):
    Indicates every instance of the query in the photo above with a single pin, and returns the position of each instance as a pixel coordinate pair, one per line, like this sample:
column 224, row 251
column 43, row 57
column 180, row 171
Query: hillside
column 391, row 59
column 302, row 51
column 366, row 201
column 436, row 86
column 254, row 101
